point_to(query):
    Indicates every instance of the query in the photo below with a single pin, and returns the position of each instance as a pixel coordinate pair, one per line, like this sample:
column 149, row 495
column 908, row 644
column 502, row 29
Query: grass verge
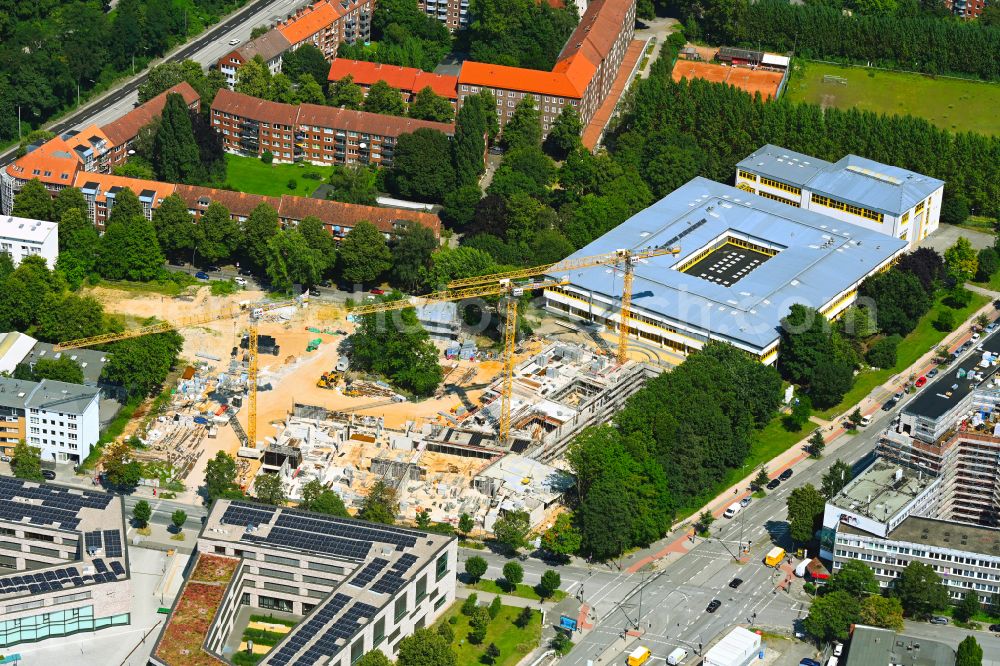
column 512, row 641
column 247, row 174
column 523, row 591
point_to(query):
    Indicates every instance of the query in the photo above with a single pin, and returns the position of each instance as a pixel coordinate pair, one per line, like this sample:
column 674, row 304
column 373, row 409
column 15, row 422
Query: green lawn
column 952, row 104
column 922, row 339
column 523, row 591
column 512, row 641
column 247, row 174
column 986, row 225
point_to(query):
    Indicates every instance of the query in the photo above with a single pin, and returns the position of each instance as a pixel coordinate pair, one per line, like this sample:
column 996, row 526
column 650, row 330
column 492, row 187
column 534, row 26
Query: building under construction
column 457, row 464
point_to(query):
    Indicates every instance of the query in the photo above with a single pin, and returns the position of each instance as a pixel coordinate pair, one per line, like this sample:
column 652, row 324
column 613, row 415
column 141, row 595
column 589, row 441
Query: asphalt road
column 206, row 49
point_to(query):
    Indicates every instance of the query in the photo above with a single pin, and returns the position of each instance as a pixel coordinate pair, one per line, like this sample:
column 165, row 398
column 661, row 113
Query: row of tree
column 53, row 50
column 383, row 98
column 402, row 35
column 518, row 33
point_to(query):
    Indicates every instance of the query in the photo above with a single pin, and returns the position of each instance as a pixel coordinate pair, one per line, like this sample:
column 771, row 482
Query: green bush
column 292, row 183
column 945, row 321
column 267, row 157
column 883, row 353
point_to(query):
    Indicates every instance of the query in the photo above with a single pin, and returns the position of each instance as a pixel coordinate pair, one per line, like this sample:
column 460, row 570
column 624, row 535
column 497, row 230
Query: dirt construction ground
column 293, row 373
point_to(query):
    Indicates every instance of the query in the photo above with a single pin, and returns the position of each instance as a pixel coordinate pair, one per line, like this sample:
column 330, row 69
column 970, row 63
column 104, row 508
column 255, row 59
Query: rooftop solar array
column 367, row 575
column 393, row 579
column 60, row 579
column 308, row 541
column 243, row 514
column 93, row 540
column 305, row 632
column 56, row 506
column 337, row 636
column 349, row 529
column 112, row 543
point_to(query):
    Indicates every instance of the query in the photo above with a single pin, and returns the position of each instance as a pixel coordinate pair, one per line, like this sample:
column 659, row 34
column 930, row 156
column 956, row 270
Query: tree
column 27, row 462
column 346, row 94
column 835, row 478
column 855, row 578
column 69, row 198
column 495, row 607
column 383, row 98
column 473, row 126
column 67, row 317
column 855, row 418
column 220, row 234
column 470, row 604
column 524, row 128
column 259, row 228
column 129, row 250
column 550, row 582
column 513, row 574
column 428, row 105
column 967, row 608
column 70, row 223
column 954, row 209
column 460, row 204
column 857, row 323
column 816, row 444
column 920, row 590
column 492, row 652
column 268, row 488
column 290, row 261
column 882, row 354
column 961, row 260
column 705, row 520
column 422, row 166
column 563, row 538
column 395, row 345
column 254, row 78
column 176, row 231
column 475, row 567
column 374, row 657
column 762, row 479
column 425, row 648
column 446, row 632
column 175, row 151
column 523, row 618
column 884, row 612
column 141, row 512
column 121, row 470
column 62, row 369
column 306, row 59
column 923, row 263
column 411, row 254
column 423, row 519
column 353, row 183
column 34, row 202
column 220, row 476
column 832, row 379
column 178, row 518
column 511, row 530
column 363, row 255
column 805, row 512
column 831, row 616
column 988, row 262
column 320, row 499
column 479, row 622
column 465, row 524
column 945, row 321
column 564, row 135
column 901, row 297
column 139, row 365
column 970, row 653
column 380, row 505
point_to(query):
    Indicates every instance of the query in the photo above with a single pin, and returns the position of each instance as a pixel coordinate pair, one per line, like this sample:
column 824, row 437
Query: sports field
column 952, row 104
column 762, row 81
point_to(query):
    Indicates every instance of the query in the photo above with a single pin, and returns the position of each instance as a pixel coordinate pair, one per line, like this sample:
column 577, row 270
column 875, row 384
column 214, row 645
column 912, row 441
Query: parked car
column 995, row 628
column 242, row 281
column 939, row 619
column 899, row 395
column 921, row 380
column 809, row 662
column 838, row 649
column 866, row 421
column 889, row 405
column 377, row 291
column 975, row 336
column 745, row 502
column 4, row 458
column 735, row 583
column 212, row 268
column 48, row 474
column 787, row 474
column 992, row 326
column 201, row 275
column 773, row 483
column 713, row 606
column 234, row 41
column 932, row 373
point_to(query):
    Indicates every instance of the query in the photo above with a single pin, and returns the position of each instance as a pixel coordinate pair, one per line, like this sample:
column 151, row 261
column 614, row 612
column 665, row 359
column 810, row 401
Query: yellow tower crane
column 256, row 312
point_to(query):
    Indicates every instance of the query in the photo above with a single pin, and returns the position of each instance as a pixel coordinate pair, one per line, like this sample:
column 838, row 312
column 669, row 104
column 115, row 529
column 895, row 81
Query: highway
column 206, row 49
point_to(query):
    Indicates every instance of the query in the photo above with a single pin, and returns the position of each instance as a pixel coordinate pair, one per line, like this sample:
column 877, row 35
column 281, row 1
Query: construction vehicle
column 255, row 311
column 329, row 380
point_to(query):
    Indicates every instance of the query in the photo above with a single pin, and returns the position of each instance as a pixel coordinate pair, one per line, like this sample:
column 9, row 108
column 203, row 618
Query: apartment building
column 408, row 80
column 338, row 217
column 61, row 419
column 453, row 13
column 64, row 567
column 325, row 24
column 22, row 237
column 893, row 201
column 57, row 162
column 310, row 132
column 354, row 586
column 967, row 9
column 100, row 191
column 582, row 76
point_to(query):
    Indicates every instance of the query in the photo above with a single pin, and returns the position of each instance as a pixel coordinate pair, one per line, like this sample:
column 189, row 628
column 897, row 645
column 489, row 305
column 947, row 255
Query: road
column 206, row 49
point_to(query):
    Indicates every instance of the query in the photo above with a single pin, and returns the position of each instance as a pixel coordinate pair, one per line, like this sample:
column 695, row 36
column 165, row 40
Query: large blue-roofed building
column 893, row 201
column 744, row 261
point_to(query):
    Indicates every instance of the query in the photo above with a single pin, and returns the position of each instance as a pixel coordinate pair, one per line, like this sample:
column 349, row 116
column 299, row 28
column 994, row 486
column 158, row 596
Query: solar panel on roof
column 112, row 543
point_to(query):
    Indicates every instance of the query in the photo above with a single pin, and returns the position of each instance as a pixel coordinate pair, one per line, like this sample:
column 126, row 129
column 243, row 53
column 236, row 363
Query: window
column 421, row 589
column 442, row 567
column 400, row 608
column 357, row 649
column 273, row 603
column 379, row 634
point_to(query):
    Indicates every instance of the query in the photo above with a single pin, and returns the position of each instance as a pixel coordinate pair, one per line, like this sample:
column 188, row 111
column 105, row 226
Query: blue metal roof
column 821, row 257
column 852, row 179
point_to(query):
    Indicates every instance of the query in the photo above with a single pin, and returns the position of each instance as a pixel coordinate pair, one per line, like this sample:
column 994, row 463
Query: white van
column 677, row 657
column 865, row 421
column 732, row 510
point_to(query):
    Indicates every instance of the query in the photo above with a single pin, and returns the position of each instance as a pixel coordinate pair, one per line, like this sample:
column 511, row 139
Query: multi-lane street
column 206, row 49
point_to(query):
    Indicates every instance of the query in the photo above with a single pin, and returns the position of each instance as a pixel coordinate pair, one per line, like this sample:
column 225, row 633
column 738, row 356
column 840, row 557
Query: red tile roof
column 53, row 163
column 312, row 20
column 595, row 128
column 408, row 79
column 240, row 204
column 260, row 110
column 597, row 30
column 362, row 121
column 107, row 181
column 127, row 127
column 518, row 78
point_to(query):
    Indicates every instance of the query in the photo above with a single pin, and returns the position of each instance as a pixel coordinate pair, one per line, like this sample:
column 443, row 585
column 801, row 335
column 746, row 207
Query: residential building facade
column 453, row 13
column 310, row 132
column 893, row 201
column 21, row 237
column 325, row 24
column 63, row 563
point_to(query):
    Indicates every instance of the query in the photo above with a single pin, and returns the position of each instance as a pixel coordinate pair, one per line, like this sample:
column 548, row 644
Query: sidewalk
column 677, row 542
